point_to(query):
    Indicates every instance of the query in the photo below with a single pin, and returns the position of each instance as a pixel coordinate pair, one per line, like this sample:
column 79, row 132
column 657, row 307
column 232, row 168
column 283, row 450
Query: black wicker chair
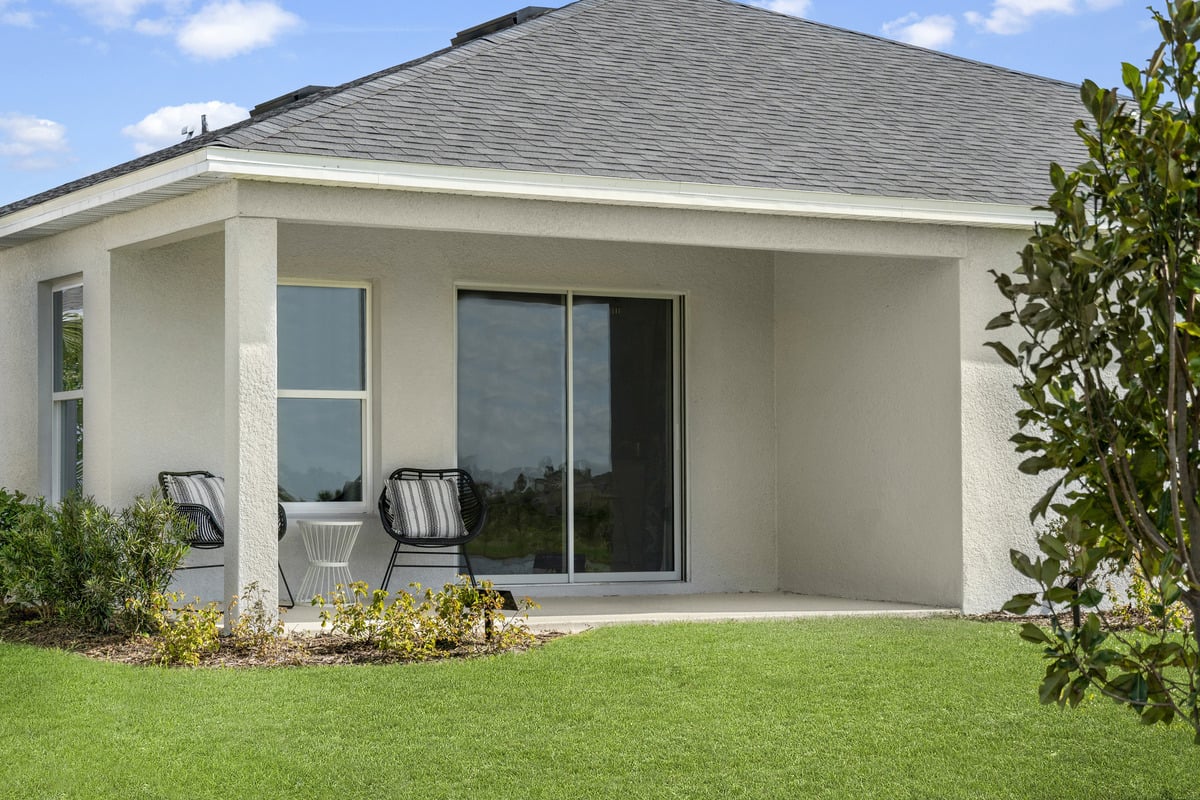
column 209, row 534
column 470, row 500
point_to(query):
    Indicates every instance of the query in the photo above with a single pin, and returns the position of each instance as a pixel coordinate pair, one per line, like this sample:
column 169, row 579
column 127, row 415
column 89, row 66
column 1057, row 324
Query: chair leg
column 291, row 603
column 467, row 560
column 387, row 576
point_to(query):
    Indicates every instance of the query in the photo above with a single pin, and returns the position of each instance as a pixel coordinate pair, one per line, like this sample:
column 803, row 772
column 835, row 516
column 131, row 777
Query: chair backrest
column 201, row 495
column 470, row 500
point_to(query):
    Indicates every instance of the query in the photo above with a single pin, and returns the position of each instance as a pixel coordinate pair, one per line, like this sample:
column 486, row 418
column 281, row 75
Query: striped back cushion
column 202, row 491
column 426, row 508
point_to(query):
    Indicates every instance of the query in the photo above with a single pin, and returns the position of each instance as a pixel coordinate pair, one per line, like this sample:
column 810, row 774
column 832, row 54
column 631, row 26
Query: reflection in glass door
column 546, row 380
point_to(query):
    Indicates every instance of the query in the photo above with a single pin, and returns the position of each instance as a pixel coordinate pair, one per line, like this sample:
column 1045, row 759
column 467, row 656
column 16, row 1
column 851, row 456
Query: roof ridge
column 746, row 4
column 339, row 97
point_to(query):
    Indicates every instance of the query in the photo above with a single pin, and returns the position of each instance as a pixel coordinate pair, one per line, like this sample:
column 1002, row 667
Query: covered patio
column 576, row 614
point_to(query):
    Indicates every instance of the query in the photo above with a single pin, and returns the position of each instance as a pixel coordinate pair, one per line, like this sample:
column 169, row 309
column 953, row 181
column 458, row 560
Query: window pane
column 512, row 426
column 624, row 435
column 320, row 450
column 70, row 445
column 321, row 338
column 68, row 339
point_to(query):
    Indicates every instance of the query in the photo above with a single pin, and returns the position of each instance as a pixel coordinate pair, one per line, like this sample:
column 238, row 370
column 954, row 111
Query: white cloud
column 11, row 16
column 155, row 27
column 935, row 31
column 230, row 27
column 1015, row 16
column 794, row 8
column 31, row 143
column 162, row 128
column 109, row 13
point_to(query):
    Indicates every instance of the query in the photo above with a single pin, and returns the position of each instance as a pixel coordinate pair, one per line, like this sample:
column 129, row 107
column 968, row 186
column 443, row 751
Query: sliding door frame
column 678, row 448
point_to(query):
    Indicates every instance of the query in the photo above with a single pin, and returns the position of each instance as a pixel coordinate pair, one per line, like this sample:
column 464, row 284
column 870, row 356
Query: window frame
column 59, row 398
column 679, row 492
column 320, row 508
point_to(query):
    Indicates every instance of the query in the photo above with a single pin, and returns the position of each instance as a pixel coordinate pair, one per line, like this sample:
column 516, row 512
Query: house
column 729, row 265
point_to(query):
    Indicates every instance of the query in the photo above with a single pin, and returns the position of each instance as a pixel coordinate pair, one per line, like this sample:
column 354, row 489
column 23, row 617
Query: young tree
column 1105, row 317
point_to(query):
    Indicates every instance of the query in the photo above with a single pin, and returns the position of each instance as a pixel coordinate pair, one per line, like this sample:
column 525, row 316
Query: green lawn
column 933, row 708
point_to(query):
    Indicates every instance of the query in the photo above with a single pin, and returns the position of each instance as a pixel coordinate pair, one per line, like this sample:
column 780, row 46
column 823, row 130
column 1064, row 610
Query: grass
column 887, row 708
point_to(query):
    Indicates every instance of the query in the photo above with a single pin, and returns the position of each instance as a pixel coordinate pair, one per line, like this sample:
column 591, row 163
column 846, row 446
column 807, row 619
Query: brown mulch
column 295, row 650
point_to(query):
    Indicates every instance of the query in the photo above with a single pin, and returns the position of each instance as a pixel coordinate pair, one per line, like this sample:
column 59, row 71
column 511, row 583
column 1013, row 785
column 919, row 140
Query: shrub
column 183, row 635
column 259, row 627
column 90, row 567
column 420, row 623
column 12, row 504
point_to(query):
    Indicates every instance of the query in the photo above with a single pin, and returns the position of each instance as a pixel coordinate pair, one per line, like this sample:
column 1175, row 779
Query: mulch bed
column 296, row 650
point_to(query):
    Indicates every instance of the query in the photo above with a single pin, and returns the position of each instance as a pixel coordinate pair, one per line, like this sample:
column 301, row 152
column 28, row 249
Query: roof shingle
column 709, row 91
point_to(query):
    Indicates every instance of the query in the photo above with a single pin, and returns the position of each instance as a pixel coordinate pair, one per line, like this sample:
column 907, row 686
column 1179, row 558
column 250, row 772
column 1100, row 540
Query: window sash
column 66, row 448
column 362, row 395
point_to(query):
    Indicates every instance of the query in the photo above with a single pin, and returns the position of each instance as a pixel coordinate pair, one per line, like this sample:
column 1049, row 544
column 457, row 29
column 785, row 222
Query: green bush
column 421, row 623
column 83, row 563
column 182, row 635
column 12, row 504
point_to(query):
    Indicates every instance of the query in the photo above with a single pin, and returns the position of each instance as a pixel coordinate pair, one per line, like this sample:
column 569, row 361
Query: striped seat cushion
column 426, row 508
column 204, row 491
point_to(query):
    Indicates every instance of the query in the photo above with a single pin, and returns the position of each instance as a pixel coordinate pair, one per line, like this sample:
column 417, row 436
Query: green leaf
column 1039, row 508
column 1032, row 633
column 1190, row 328
column 1035, row 464
column 1002, row 321
column 1052, row 686
column 1053, row 547
column 1020, row 603
column 1005, row 354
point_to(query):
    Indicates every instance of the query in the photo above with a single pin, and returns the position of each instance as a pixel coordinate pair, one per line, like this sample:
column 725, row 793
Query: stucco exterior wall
column 767, row 300
column 868, row 420
column 729, row 367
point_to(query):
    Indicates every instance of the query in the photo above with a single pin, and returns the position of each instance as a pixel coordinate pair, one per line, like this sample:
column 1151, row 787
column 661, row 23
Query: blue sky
column 91, row 83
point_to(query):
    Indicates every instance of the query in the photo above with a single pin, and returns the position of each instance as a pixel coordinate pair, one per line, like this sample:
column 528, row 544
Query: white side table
column 328, row 545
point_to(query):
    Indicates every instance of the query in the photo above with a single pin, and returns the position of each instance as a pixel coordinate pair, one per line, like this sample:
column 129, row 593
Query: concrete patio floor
column 573, row 614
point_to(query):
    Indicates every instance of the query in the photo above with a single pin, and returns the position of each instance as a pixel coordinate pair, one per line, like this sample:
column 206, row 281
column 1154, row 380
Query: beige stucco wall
column 868, row 428
column 768, row 299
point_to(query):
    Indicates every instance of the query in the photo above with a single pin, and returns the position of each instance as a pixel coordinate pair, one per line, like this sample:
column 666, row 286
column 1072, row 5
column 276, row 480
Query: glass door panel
column 624, row 465
column 512, row 426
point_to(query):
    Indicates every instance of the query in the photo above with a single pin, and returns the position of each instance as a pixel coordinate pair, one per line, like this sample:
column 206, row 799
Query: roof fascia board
column 122, row 187
column 223, row 162
column 364, row 173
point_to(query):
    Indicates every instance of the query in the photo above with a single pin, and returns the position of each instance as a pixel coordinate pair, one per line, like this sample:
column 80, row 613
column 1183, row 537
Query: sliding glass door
column 547, row 380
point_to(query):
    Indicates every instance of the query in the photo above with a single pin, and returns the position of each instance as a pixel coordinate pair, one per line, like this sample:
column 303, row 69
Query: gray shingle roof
column 708, row 91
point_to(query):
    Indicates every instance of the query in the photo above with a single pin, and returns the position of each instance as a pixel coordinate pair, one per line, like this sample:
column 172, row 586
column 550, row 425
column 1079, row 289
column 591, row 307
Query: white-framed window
column 66, row 392
column 570, row 420
column 324, row 390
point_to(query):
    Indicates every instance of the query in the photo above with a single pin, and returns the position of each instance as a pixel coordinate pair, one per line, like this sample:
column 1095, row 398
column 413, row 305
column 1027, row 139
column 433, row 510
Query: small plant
column 259, row 626
column 348, row 616
column 421, row 623
column 183, row 635
column 1146, row 607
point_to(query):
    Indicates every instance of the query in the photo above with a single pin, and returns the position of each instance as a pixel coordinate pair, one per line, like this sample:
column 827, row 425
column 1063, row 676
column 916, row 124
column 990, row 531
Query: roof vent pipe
column 498, row 24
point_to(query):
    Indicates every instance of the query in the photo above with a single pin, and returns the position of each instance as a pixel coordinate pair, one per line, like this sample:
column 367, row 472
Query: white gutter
column 219, row 163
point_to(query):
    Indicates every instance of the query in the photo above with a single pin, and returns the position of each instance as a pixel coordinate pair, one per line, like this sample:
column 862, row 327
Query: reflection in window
column 322, row 393
column 67, row 390
column 547, row 380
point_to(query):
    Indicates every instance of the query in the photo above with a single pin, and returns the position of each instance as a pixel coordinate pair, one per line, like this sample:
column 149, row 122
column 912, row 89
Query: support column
column 98, row 407
column 251, row 438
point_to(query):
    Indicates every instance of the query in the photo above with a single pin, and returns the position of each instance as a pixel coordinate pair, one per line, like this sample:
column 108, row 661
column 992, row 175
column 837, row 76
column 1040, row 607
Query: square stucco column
column 251, row 438
column 98, row 406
